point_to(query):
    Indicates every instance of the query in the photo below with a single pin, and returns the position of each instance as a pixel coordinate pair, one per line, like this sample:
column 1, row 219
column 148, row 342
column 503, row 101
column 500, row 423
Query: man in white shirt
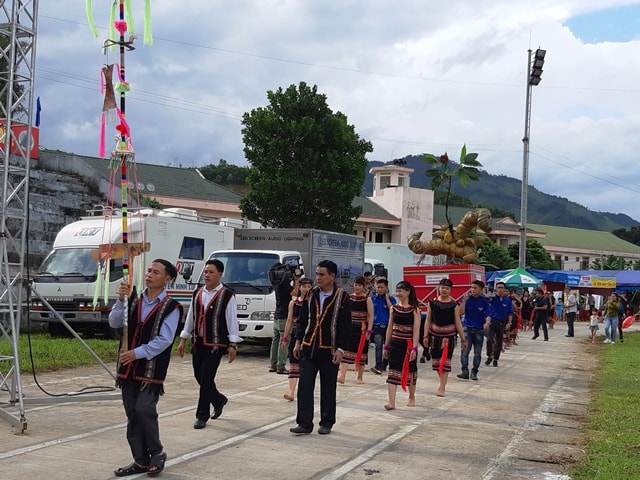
column 212, row 325
column 571, row 309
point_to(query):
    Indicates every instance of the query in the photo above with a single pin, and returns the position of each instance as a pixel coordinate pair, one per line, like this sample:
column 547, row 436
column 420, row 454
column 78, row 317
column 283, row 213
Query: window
column 379, row 238
column 385, row 181
column 401, row 180
column 192, row 248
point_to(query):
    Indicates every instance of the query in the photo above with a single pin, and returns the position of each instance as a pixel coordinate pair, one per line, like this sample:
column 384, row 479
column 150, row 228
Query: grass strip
column 612, row 435
column 50, row 354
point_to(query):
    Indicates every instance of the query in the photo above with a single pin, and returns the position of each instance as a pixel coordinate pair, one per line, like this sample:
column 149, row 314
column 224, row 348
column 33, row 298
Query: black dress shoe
column 534, row 337
column 218, row 411
column 299, row 430
column 324, row 430
column 199, row 423
column 282, row 371
column 488, row 362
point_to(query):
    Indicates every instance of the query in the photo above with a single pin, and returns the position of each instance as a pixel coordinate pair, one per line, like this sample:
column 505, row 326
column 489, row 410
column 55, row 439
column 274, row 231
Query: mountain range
column 505, row 193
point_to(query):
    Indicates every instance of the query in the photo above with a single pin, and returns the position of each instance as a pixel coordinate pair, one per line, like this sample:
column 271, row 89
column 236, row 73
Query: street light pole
column 534, row 76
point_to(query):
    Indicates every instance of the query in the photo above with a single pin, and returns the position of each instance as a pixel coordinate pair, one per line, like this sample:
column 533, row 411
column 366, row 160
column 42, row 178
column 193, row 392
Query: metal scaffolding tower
column 18, row 27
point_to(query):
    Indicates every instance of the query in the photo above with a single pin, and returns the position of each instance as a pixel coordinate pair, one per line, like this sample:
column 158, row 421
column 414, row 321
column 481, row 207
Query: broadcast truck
column 74, row 275
column 256, row 251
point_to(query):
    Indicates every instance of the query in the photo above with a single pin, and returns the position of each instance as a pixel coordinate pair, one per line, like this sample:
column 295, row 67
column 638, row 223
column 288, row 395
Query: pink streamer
column 103, row 133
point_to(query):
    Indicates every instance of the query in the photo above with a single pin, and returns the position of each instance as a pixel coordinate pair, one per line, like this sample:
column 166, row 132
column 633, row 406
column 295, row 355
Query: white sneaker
column 607, row 341
column 612, row 342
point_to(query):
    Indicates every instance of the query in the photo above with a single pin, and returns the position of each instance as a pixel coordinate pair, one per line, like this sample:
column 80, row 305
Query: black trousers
column 540, row 321
column 143, row 432
column 571, row 318
column 309, row 369
column 206, row 361
column 494, row 338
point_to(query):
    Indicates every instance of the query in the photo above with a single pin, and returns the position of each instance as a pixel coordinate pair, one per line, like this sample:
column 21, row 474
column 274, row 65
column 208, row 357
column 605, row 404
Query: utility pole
column 534, row 76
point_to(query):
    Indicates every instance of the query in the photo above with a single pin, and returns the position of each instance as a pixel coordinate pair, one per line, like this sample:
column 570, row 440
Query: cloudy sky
column 413, row 76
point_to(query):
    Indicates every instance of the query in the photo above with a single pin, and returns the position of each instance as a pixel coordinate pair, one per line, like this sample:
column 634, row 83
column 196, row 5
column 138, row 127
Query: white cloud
column 414, row 76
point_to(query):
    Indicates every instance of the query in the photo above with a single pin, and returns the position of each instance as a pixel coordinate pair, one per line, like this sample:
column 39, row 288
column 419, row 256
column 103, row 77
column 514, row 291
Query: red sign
column 425, row 279
column 20, row 133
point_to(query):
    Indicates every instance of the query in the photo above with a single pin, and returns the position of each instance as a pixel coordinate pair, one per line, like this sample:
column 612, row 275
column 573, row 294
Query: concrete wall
column 58, row 195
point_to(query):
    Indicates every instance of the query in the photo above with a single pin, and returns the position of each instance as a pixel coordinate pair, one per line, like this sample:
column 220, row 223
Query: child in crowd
column 593, row 326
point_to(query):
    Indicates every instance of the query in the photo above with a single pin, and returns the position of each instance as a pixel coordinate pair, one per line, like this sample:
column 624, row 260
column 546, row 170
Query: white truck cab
column 246, row 272
column 71, row 279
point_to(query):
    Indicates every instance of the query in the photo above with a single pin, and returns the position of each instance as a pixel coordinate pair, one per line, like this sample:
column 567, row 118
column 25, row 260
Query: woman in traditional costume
column 361, row 330
column 401, row 345
column 442, row 327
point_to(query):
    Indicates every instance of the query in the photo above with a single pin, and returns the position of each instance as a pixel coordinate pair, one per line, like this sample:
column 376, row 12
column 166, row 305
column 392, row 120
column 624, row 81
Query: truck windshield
column 246, row 268
column 75, row 262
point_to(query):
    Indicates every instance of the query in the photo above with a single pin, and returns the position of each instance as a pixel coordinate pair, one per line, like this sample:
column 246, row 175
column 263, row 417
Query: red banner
column 20, row 134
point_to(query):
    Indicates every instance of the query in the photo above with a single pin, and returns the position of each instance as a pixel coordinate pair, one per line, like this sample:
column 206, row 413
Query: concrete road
column 520, row 420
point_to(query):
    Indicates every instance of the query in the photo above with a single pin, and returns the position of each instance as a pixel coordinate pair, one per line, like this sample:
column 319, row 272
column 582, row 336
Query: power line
column 359, row 71
column 145, row 97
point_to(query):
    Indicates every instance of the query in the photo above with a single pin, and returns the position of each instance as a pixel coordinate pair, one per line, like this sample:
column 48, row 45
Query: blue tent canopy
column 625, row 279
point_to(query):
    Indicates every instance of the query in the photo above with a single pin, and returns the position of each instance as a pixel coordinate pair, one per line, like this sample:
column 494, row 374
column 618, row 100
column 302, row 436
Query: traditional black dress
column 401, row 337
column 358, row 329
column 442, row 327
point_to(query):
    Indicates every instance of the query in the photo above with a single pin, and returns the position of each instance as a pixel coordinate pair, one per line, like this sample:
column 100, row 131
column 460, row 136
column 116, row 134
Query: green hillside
column 504, row 193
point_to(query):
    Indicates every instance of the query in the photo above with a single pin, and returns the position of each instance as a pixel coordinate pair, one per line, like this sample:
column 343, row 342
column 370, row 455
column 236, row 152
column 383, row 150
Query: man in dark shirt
column 540, row 306
column 501, row 316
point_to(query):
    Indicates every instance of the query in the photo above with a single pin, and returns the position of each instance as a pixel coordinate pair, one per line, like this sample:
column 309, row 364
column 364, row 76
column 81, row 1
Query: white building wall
column 414, row 208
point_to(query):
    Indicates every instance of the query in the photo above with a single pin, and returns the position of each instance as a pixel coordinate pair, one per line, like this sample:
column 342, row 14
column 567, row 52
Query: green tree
column 611, row 262
column 225, row 173
column 150, row 202
column 307, row 162
column 537, row 256
column 494, row 257
column 632, row 235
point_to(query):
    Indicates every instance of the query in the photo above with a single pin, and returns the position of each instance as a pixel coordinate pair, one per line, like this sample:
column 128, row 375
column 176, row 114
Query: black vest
column 328, row 329
column 213, row 329
column 152, row 371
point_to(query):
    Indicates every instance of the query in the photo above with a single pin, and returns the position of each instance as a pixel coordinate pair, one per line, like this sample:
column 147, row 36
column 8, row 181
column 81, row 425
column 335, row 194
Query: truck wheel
column 58, row 330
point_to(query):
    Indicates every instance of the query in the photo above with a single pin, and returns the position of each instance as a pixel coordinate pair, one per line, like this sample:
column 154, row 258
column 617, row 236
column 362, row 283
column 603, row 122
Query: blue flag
column 38, row 109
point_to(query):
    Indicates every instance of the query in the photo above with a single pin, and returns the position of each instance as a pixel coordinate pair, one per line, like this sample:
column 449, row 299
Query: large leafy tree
column 225, row 173
column 632, row 235
column 494, row 257
column 307, row 162
column 537, row 256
